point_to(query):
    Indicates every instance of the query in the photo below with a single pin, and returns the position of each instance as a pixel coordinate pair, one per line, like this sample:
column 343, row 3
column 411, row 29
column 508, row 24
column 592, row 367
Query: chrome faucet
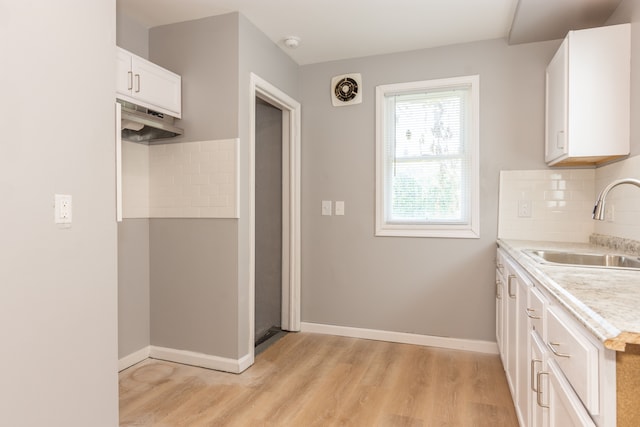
column 598, row 209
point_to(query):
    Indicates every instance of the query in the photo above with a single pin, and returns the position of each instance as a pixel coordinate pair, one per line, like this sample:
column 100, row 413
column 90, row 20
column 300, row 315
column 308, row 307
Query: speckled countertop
column 605, row 301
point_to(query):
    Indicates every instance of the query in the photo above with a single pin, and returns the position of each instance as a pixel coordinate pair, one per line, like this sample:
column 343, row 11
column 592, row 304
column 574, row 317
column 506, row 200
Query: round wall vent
column 346, row 89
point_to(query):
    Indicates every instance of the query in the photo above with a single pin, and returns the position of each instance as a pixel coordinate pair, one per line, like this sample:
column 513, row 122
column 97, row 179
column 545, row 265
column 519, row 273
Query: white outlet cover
column 63, row 209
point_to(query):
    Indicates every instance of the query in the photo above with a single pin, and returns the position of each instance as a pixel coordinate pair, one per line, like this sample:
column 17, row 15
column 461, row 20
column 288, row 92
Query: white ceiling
column 338, row 29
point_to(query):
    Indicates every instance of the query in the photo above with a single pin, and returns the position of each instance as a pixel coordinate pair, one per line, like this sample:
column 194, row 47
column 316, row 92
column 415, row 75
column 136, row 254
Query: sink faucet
column 598, row 209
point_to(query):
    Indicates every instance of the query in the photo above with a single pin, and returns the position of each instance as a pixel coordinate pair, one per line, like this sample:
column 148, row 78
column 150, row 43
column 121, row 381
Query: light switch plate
column 339, row 207
column 326, row 207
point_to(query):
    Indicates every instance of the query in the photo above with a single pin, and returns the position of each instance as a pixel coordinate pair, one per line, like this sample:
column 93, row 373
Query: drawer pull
column 539, row 391
column 500, row 266
column 498, row 293
column 533, row 375
column 510, row 279
column 530, row 315
column 552, row 347
column 129, row 80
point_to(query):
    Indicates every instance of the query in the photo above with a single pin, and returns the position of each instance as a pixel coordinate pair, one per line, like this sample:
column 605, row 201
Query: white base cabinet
column 558, row 373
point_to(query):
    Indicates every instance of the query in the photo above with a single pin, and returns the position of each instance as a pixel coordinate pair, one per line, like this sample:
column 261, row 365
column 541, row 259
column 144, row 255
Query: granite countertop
column 605, row 301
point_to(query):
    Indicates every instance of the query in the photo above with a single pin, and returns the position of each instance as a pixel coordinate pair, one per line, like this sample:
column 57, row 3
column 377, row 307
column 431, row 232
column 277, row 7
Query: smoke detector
column 291, row 42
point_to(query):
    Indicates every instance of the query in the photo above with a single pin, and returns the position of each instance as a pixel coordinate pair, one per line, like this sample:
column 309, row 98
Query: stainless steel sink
column 585, row 260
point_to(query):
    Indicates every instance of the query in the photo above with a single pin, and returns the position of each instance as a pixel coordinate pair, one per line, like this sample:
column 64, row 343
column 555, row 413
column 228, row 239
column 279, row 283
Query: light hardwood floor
column 320, row 380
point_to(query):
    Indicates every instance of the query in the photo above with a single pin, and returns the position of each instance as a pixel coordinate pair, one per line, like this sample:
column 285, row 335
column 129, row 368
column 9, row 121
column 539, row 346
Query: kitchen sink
column 585, row 260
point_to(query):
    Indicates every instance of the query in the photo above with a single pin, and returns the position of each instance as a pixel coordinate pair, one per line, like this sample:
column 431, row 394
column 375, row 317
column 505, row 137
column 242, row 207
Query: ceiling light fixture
column 291, row 42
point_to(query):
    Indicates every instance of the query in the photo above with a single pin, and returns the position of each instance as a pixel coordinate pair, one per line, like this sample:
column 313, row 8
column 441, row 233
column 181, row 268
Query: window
column 427, row 158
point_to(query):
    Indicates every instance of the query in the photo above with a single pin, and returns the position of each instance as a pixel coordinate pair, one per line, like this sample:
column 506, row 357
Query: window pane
column 429, row 159
column 428, row 192
column 428, row 124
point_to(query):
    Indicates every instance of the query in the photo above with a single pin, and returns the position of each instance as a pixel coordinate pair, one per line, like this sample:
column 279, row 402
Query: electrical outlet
column 524, row 208
column 63, row 209
column 339, row 207
column 609, row 213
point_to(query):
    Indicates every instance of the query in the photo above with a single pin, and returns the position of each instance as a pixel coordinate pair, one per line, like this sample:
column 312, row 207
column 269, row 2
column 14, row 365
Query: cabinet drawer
column 576, row 356
column 536, row 311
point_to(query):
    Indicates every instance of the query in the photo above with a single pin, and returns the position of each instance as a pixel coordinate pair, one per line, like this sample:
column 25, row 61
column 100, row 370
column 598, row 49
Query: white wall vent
column 346, row 89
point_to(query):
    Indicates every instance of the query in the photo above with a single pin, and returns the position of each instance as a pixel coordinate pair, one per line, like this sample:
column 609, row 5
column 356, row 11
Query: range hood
column 140, row 124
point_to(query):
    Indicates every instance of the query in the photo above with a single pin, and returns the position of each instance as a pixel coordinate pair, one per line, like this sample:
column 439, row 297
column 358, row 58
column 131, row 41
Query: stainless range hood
column 145, row 126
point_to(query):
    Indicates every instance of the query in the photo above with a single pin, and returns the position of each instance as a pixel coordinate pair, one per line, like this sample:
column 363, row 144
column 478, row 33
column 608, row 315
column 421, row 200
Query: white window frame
column 470, row 230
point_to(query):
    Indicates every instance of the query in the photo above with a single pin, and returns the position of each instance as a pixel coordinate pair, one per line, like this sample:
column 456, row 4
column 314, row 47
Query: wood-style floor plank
column 320, row 380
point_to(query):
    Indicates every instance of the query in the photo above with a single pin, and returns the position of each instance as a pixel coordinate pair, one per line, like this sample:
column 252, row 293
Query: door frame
column 291, row 122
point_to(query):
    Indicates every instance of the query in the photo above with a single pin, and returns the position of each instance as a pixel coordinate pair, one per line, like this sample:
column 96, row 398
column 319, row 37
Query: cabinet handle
column 510, row 279
column 137, row 82
column 500, row 267
column 498, row 293
column 552, row 347
column 539, row 391
column 129, row 80
column 532, row 369
column 530, row 315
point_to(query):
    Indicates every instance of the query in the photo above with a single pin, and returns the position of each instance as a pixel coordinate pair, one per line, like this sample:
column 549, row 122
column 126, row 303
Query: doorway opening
column 268, row 224
column 278, row 260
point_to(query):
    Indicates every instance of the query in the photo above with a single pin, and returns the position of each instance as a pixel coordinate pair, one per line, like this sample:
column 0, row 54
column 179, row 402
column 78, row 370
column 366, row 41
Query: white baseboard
column 403, row 338
column 235, row 366
column 133, row 358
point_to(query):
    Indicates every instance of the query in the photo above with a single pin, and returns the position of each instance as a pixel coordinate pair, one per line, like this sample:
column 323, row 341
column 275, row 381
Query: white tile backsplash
column 561, row 204
column 624, row 199
column 183, row 180
column 135, row 180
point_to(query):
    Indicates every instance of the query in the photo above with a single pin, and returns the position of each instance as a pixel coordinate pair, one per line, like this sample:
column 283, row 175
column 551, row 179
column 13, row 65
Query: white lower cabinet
column 537, row 367
column 558, row 373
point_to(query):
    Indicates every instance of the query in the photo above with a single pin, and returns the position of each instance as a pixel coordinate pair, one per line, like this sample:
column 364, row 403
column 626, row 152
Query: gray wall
column 441, row 287
column 268, row 282
column 133, row 286
column 58, row 312
column 193, row 276
column 194, row 297
column 205, row 53
column 131, row 35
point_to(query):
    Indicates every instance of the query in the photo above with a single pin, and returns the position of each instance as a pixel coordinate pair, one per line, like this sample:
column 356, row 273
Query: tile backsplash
column 623, row 202
column 559, row 202
column 183, row 180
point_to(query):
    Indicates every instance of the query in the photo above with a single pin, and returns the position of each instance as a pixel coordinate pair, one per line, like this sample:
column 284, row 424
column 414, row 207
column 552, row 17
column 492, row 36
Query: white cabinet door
column 556, row 105
column 156, row 86
column 537, row 364
column 147, row 84
column 124, row 75
column 565, row 408
column 511, row 321
column 588, row 97
column 499, row 310
column 522, row 364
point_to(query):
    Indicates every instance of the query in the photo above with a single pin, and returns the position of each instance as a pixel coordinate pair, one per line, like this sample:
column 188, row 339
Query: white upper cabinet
column 149, row 85
column 588, row 97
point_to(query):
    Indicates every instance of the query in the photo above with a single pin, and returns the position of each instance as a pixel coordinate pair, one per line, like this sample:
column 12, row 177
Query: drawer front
column 536, row 311
column 576, row 357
